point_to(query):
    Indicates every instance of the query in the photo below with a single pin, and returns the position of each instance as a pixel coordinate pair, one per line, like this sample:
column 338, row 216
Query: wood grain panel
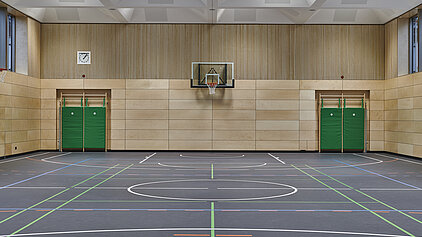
column 260, row 52
column 34, row 48
column 391, row 50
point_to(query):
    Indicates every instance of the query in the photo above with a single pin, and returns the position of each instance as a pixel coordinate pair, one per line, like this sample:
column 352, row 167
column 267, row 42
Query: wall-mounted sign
column 84, row 57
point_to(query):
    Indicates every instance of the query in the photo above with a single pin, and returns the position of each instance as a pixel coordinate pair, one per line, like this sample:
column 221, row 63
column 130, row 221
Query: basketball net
column 212, row 86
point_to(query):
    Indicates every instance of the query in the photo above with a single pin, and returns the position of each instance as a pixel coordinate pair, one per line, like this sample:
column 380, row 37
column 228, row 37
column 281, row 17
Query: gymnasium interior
column 177, row 118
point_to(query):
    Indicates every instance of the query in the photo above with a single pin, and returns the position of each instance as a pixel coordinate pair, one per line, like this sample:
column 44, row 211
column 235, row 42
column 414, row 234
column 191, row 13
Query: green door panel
column 330, row 129
column 72, row 127
column 95, row 127
column 354, row 129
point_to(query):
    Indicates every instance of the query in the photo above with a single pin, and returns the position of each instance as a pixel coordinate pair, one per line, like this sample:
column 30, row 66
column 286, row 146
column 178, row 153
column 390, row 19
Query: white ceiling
column 215, row 11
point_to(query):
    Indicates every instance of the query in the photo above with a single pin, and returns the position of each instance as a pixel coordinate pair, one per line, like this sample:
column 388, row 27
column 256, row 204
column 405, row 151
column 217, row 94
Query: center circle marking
column 212, row 190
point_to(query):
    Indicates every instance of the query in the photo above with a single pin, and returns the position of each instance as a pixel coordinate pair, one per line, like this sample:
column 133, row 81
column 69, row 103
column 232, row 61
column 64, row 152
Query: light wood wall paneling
column 391, row 50
column 34, row 48
column 309, row 52
column 151, row 51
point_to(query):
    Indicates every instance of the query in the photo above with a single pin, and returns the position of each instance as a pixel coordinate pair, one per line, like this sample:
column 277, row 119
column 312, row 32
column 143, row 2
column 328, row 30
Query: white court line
column 147, row 157
column 333, row 167
column 277, row 158
column 190, row 167
column 391, row 157
column 23, row 158
column 294, row 190
column 45, row 159
column 241, row 156
column 368, row 157
column 207, row 229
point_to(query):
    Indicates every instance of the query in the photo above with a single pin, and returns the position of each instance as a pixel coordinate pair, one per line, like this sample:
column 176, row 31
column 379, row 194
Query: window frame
column 11, row 42
column 414, row 44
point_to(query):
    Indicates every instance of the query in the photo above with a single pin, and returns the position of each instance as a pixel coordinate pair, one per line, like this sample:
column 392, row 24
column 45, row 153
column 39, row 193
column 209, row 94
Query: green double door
column 83, row 127
column 347, row 124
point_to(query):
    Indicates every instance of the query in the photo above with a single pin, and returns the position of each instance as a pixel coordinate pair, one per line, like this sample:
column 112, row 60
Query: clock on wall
column 84, row 57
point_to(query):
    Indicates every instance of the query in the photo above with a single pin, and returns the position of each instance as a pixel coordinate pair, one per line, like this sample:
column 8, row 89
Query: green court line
column 212, row 220
column 350, row 199
column 367, row 195
column 212, row 171
column 60, row 206
column 55, row 195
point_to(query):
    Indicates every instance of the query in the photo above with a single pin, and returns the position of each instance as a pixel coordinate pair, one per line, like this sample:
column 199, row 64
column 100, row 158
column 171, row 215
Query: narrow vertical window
column 414, row 45
column 11, row 43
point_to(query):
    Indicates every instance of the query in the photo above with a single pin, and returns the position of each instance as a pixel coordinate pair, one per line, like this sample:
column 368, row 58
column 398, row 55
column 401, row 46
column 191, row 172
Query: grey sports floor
column 210, row 194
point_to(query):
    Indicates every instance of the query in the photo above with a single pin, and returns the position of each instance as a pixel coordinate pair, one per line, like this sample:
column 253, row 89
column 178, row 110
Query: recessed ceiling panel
column 67, row 14
column 216, row 11
column 345, row 15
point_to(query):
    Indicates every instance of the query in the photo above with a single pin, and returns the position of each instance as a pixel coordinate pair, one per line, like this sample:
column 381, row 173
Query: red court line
column 9, row 211
column 415, row 212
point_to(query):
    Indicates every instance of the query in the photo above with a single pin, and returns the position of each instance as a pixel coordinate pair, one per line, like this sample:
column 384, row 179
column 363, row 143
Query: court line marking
column 333, row 167
column 215, row 199
column 413, row 162
column 206, row 167
column 77, row 196
column 175, row 188
column 212, row 157
column 53, row 196
column 357, row 203
column 164, row 188
column 37, row 176
column 207, row 229
column 212, row 220
column 390, row 189
column 51, row 157
column 367, row 157
column 94, row 166
column 21, row 158
column 216, row 210
column 380, row 175
column 34, row 187
column 369, row 196
column 344, row 189
column 276, row 158
column 97, row 166
column 147, row 157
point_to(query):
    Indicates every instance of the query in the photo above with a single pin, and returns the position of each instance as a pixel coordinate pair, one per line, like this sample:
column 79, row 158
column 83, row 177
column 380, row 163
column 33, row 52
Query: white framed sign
column 83, row 57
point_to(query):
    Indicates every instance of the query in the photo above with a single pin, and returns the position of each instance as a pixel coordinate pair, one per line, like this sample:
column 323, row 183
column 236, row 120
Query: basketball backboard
column 221, row 73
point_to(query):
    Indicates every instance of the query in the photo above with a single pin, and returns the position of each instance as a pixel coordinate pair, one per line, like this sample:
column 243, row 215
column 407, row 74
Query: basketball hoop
column 3, row 72
column 212, row 86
